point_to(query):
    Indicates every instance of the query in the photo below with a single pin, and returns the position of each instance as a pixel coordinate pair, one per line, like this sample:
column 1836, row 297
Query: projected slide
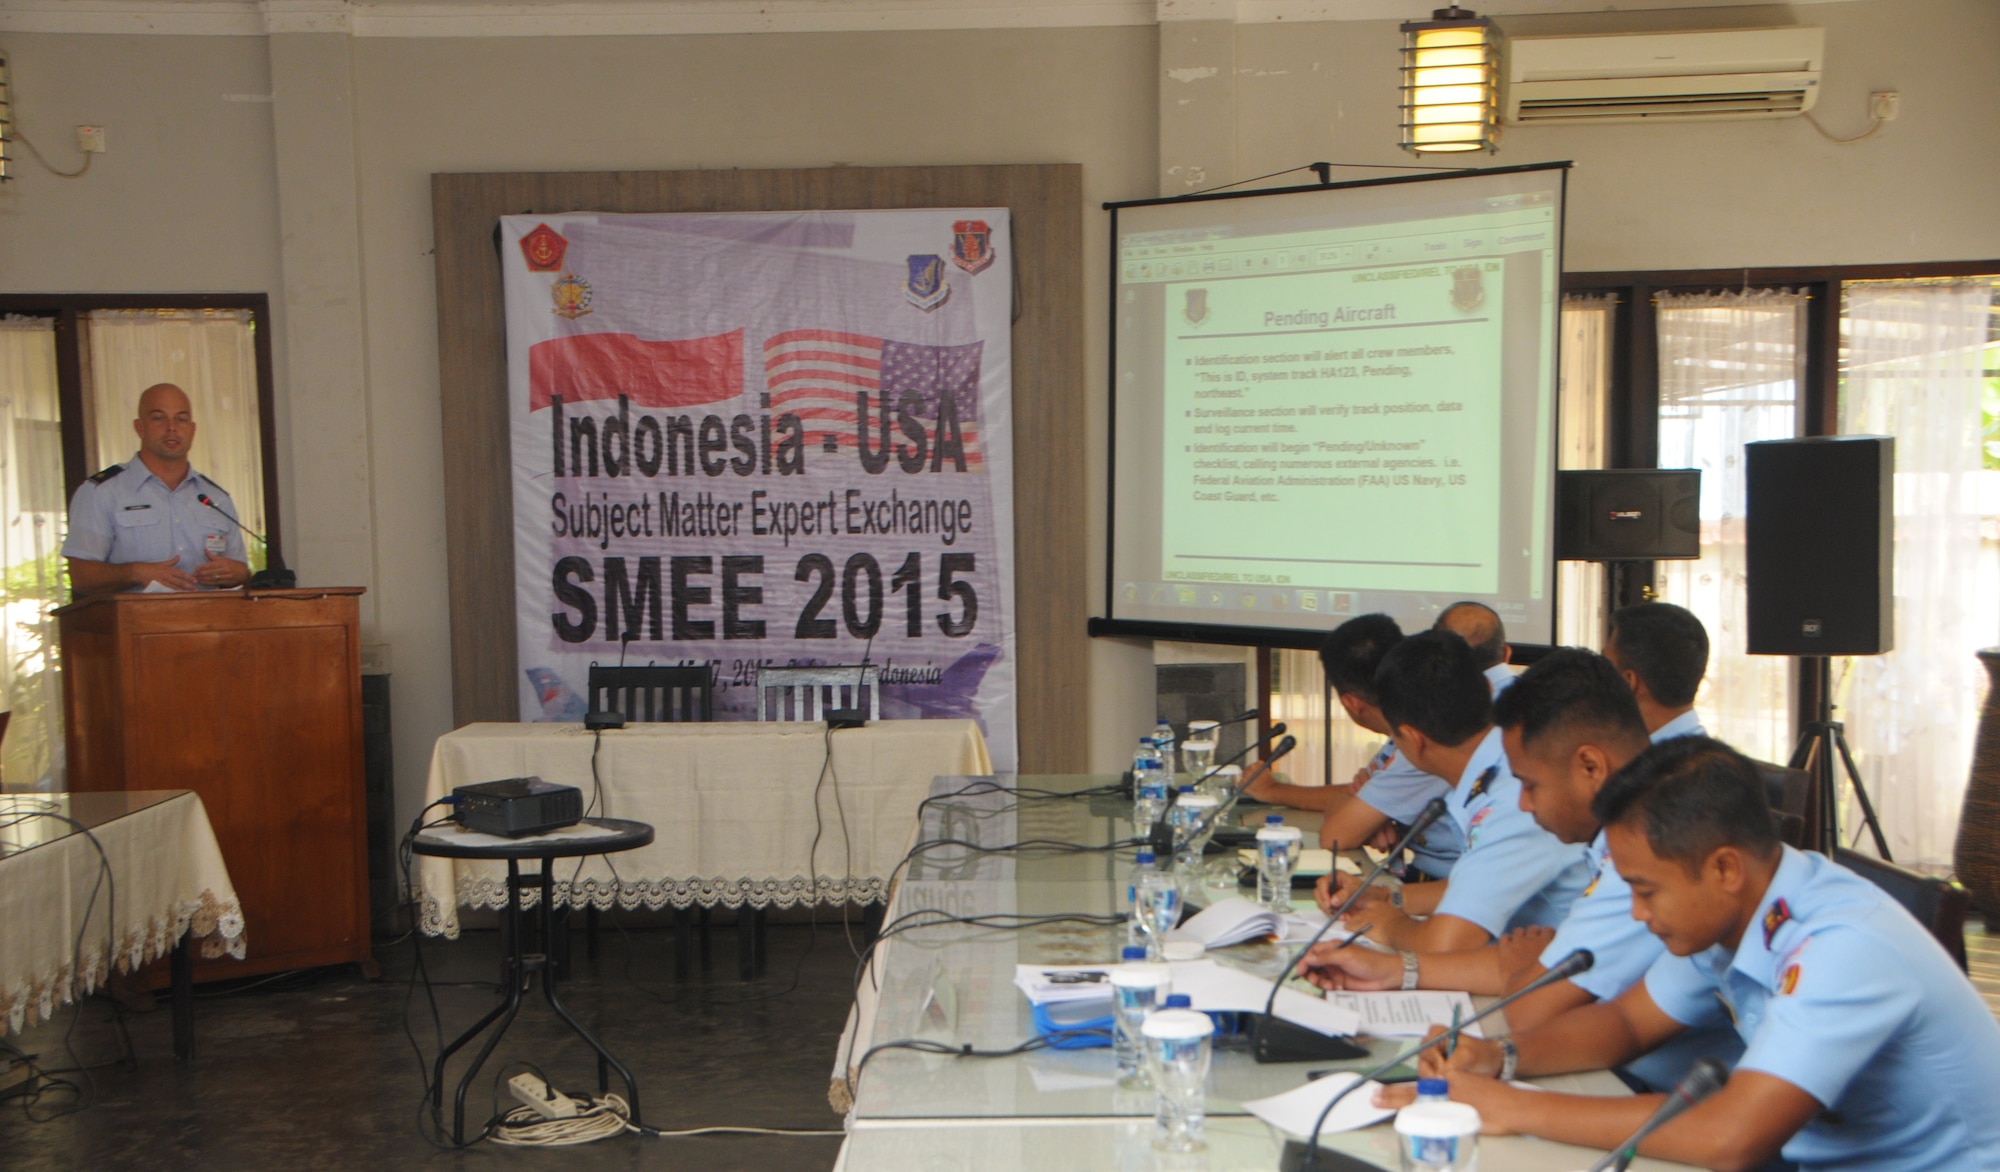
column 1338, row 401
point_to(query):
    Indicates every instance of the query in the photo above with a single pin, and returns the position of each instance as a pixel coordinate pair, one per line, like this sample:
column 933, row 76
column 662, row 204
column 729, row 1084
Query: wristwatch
column 1409, row 970
column 1510, row 1057
column 1396, row 898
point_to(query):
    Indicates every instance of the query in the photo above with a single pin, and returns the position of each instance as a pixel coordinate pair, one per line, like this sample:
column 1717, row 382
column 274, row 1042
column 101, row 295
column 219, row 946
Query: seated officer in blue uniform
column 1567, row 724
column 1480, row 626
column 1388, row 789
column 1513, row 873
column 143, row 521
column 1662, row 651
column 1866, row 1049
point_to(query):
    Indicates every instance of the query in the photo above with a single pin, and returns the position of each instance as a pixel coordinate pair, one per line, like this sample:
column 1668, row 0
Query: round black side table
column 617, row 835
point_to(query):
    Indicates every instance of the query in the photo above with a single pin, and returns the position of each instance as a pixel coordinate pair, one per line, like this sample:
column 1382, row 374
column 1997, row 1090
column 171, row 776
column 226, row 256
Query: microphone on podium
column 273, row 577
column 1272, row 1038
column 1569, row 966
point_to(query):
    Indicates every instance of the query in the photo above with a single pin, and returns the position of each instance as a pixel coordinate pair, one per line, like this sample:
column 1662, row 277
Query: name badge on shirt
column 215, row 543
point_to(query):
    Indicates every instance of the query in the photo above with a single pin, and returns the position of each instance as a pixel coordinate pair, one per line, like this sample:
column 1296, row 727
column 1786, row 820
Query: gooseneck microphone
column 1236, row 791
column 1160, row 836
column 274, row 576
column 1569, row 966
column 1273, row 1039
column 1703, row 1080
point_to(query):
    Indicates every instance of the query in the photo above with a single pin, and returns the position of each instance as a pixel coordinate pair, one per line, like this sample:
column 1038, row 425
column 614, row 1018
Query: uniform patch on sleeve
column 1485, row 779
column 1779, row 915
column 1789, row 981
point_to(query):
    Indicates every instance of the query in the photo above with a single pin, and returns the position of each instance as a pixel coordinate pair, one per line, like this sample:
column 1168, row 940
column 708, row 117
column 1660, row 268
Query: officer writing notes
column 1865, row 1048
column 142, row 522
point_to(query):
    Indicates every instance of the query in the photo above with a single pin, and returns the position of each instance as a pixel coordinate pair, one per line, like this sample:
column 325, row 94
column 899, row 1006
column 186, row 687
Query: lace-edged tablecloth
column 731, row 806
column 168, row 880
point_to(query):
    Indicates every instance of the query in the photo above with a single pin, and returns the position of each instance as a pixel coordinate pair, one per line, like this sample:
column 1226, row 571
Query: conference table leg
column 180, row 967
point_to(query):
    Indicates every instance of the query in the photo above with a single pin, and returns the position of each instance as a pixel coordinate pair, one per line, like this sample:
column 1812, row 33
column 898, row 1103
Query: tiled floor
column 1983, row 952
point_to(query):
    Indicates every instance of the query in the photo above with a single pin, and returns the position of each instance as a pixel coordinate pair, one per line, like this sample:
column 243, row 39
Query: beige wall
column 1041, row 96
column 189, row 199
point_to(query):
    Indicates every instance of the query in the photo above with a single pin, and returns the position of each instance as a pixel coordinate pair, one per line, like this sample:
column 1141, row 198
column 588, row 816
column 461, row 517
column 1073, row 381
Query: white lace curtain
column 209, row 353
column 32, row 512
column 1582, row 427
column 1730, row 371
column 1914, row 359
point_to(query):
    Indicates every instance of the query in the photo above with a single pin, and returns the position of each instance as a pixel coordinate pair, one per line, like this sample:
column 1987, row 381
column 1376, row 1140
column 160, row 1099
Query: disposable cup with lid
column 1178, row 1025
column 1141, row 975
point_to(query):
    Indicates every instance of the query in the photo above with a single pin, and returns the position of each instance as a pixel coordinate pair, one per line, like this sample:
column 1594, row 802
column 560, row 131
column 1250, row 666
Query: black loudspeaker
column 1821, row 535
column 1628, row 514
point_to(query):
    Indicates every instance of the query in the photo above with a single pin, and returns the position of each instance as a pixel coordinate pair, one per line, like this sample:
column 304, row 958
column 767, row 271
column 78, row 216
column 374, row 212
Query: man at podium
column 143, row 525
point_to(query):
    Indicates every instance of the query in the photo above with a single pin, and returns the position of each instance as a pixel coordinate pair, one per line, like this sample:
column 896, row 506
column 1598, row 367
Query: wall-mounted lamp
column 1451, row 83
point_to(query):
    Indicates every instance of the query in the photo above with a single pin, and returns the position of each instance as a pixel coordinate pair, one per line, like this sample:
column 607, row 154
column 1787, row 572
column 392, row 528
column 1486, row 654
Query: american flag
column 815, row 375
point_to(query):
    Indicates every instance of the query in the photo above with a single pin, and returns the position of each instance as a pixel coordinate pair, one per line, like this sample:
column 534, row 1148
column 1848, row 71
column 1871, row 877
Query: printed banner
column 765, row 439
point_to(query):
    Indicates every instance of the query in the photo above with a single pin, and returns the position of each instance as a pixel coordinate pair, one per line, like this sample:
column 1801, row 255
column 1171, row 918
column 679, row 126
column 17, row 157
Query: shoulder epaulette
column 107, row 474
column 211, row 480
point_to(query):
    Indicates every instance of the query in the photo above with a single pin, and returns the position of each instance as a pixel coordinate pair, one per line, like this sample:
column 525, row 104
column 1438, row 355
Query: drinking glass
column 1159, row 910
column 1179, row 1047
column 1198, row 755
column 1195, row 809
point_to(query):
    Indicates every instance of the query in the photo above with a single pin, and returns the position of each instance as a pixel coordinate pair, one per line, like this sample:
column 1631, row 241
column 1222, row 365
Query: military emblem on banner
column 572, row 296
column 972, row 245
column 926, row 288
column 1196, row 309
column 1468, row 288
column 544, row 248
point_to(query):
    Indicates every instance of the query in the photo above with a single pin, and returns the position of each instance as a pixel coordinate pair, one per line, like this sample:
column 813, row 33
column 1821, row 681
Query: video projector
column 517, row 807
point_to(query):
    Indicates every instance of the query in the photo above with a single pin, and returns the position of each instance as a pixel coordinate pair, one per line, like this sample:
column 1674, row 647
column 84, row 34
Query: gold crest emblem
column 572, row 296
column 1468, row 288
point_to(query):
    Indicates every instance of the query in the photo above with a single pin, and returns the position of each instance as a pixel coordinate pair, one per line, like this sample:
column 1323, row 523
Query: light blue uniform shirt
column 1513, row 873
column 1601, row 920
column 1401, row 791
column 1838, row 991
column 1500, row 677
column 131, row 516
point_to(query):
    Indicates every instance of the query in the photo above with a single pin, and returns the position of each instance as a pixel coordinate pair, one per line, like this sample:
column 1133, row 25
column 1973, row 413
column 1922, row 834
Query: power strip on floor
column 543, row 1099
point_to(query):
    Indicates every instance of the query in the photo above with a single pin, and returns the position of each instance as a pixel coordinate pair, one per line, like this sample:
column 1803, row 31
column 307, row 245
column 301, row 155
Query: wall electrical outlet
column 1884, row 105
column 90, row 140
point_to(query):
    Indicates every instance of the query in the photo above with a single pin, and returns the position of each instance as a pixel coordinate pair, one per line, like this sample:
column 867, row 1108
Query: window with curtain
column 1582, row 430
column 209, row 353
column 1915, row 357
column 1730, row 370
column 32, row 512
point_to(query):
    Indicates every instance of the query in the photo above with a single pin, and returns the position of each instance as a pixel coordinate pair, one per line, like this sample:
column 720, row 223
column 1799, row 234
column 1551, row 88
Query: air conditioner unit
column 1661, row 77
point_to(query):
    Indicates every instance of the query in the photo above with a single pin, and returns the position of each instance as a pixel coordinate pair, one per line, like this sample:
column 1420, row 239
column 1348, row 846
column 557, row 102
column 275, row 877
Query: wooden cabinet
column 253, row 700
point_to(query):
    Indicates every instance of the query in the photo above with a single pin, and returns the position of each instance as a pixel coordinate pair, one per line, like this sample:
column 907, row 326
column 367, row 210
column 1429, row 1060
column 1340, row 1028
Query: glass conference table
column 952, row 983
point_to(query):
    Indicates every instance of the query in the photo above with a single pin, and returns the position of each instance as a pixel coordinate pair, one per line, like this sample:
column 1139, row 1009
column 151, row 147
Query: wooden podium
column 253, row 700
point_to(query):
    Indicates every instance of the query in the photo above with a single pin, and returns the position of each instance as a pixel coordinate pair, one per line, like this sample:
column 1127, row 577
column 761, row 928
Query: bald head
column 165, row 425
column 1480, row 627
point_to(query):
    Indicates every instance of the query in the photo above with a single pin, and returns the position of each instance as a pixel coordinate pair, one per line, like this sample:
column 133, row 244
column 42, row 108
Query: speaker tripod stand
column 1819, row 740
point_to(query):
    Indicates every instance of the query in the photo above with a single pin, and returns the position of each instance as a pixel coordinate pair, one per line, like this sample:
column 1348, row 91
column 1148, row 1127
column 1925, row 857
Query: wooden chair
column 805, row 693
column 654, row 695
column 1937, row 904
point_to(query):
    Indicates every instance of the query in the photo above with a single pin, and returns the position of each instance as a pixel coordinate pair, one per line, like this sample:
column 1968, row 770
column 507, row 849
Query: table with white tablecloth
column 65, row 923
column 735, row 807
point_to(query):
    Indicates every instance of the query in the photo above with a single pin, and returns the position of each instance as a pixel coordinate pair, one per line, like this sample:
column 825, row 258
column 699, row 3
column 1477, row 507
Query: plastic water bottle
column 1149, row 785
column 1274, row 863
column 1178, row 819
column 1179, row 1043
column 1163, row 740
column 1138, row 989
column 1142, row 866
column 1433, row 1090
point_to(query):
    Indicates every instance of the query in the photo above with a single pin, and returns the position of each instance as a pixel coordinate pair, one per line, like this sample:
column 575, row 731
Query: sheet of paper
column 460, row 837
column 1294, row 1111
column 1219, row 989
column 156, row 587
column 1406, row 1014
column 1227, row 921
